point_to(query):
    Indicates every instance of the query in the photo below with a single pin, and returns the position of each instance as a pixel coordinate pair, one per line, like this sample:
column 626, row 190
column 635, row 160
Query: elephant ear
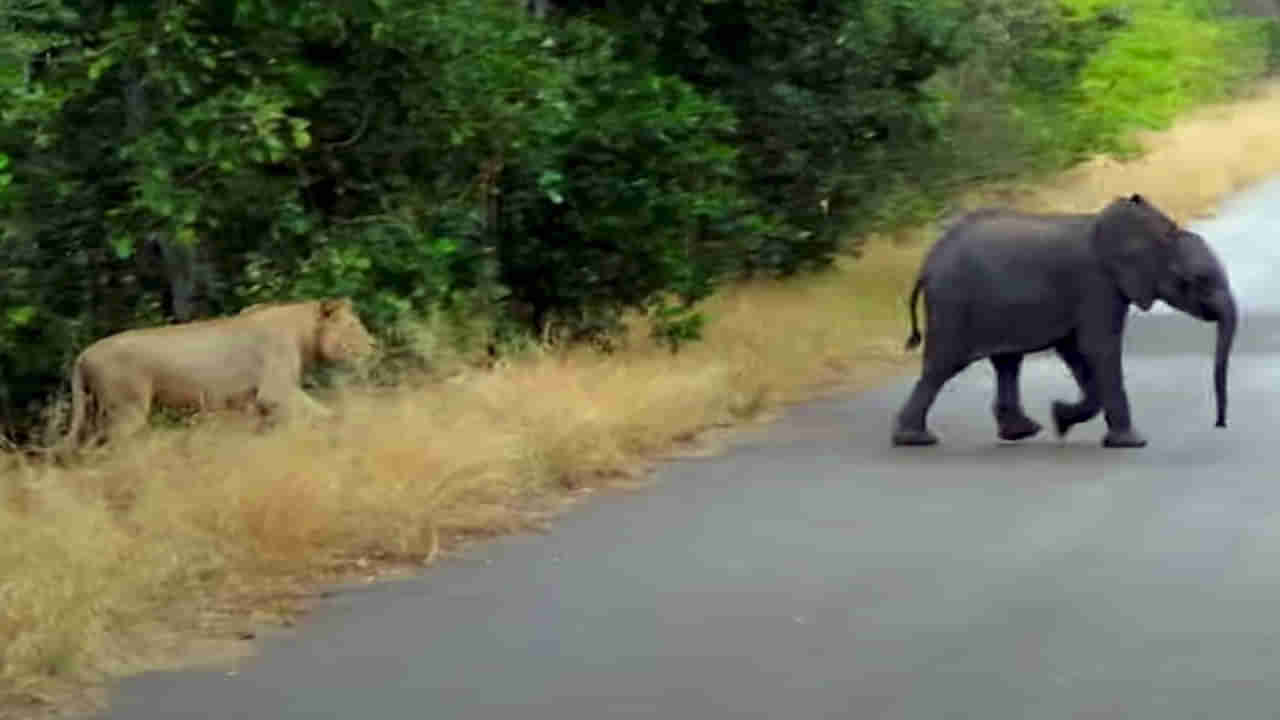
column 1132, row 238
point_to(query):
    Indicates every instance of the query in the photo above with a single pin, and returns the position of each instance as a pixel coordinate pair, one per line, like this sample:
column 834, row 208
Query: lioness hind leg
column 124, row 409
column 124, row 420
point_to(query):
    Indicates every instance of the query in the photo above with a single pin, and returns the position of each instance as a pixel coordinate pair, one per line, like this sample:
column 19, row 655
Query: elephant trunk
column 1226, row 335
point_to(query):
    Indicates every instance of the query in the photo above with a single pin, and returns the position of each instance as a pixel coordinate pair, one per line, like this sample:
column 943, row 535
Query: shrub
column 186, row 158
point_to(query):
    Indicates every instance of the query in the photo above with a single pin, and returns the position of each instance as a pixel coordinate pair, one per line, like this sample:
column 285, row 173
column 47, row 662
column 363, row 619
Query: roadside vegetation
column 584, row 236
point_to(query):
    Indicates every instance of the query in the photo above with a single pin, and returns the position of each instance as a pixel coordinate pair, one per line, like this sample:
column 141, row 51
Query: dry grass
column 197, row 527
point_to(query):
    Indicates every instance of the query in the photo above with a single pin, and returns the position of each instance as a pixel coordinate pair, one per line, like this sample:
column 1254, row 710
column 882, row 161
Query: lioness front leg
column 277, row 393
column 314, row 406
column 287, row 405
column 280, row 393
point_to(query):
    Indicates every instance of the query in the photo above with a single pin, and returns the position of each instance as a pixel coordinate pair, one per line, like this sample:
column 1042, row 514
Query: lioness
column 254, row 358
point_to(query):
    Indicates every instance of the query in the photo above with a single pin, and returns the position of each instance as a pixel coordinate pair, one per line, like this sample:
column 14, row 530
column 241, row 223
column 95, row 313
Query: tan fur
column 255, row 358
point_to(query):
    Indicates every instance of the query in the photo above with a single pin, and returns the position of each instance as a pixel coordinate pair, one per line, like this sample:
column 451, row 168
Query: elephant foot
column 903, row 437
column 1129, row 438
column 1063, row 417
column 1018, row 428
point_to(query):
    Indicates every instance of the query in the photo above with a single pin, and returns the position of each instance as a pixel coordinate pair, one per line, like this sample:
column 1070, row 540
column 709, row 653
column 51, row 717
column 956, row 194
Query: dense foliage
column 170, row 160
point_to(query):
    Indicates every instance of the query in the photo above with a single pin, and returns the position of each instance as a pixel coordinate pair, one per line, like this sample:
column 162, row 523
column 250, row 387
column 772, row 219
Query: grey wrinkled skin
column 1001, row 284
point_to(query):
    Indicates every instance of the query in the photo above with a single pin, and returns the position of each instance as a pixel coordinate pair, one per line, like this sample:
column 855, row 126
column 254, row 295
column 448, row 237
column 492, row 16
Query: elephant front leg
column 1115, row 403
column 1066, row 414
column 1011, row 419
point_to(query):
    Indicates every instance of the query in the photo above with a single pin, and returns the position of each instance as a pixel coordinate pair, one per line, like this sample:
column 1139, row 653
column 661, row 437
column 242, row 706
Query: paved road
column 816, row 572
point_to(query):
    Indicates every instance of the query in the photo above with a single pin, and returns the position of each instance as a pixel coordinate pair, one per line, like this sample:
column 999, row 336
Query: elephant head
column 1197, row 285
column 1151, row 258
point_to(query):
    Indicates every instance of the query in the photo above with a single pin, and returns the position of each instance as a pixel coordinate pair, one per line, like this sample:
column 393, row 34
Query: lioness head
column 340, row 335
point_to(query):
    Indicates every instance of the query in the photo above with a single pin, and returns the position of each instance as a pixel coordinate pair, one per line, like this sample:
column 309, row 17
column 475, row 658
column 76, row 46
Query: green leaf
column 123, row 246
column 21, row 316
column 99, row 66
column 301, row 138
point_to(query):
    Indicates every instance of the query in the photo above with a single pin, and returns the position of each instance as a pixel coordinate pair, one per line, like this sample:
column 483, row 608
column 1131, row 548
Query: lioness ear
column 329, row 306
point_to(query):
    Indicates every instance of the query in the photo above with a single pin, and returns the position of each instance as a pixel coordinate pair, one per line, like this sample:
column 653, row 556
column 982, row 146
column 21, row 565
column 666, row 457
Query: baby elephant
column 1000, row 284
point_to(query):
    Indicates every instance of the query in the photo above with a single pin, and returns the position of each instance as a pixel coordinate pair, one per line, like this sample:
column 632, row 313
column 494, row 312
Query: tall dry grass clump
column 174, row 524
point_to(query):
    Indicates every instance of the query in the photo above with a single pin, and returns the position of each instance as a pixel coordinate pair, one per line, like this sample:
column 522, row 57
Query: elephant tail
column 914, row 340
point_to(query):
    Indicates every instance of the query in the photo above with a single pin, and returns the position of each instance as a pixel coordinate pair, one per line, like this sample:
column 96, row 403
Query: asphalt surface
column 814, row 571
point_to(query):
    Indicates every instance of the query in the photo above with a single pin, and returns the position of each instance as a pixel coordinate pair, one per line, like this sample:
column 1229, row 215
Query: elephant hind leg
column 1065, row 414
column 910, row 428
column 1011, row 419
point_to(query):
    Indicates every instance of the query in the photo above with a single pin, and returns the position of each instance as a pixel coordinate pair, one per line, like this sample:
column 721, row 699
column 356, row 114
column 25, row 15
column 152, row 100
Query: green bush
column 412, row 155
column 1011, row 106
column 1046, row 83
column 625, row 193
column 1169, row 57
column 461, row 159
column 827, row 96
